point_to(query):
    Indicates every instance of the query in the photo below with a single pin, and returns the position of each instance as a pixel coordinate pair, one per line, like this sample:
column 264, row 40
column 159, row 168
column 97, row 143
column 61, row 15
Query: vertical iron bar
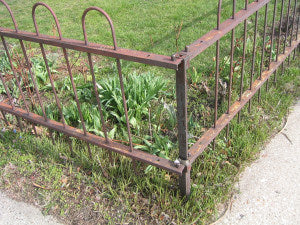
column 118, row 64
column 287, row 26
column 279, row 36
column 16, row 79
column 231, row 66
column 297, row 30
column 272, row 42
column 25, row 80
column 263, row 49
column 33, row 79
column 181, row 98
column 74, row 90
column 76, row 98
column 52, row 84
column 28, row 91
column 97, row 97
column 99, row 104
column 124, row 103
column 217, row 70
column 14, row 73
column 3, row 80
column 7, row 91
column 54, row 91
column 253, row 56
column 292, row 32
column 10, row 99
column 243, row 60
column 280, row 26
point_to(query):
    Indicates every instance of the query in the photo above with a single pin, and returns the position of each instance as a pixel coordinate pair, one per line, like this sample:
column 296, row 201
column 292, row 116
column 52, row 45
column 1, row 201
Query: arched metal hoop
column 108, row 19
column 11, row 14
column 52, row 13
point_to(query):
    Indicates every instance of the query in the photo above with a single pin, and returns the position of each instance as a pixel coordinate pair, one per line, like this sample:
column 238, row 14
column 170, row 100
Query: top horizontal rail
column 213, row 36
column 99, row 49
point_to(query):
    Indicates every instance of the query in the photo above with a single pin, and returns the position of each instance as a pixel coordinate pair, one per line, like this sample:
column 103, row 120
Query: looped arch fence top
column 108, row 19
column 11, row 14
column 52, row 13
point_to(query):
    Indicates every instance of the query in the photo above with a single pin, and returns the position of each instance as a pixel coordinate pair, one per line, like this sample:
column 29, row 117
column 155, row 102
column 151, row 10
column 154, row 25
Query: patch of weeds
column 139, row 90
column 40, row 71
column 79, row 190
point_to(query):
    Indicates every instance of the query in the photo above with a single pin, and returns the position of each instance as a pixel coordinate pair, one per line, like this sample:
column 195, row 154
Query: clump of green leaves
column 40, row 70
column 139, row 90
column 4, row 63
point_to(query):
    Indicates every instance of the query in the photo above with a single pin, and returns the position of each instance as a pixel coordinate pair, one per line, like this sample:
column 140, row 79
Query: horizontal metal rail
column 94, row 139
column 99, row 49
column 214, row 35
column 212, row 133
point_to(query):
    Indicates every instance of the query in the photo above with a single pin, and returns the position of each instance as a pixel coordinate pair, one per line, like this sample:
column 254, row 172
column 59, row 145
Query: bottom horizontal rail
column 197, row 149
column 95, row 140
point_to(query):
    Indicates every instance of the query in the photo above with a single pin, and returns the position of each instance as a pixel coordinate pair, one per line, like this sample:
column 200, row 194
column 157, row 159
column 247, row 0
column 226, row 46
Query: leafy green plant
column 4, row 63
column 139, row 90
column 40, row 70
column 171, row 116
column 2, row 89
column 4, row 68
column 157, row 145
column 196, row 77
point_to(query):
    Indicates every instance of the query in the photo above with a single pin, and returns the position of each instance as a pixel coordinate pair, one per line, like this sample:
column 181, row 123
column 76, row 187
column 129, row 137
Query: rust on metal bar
column 272, row 34
column 287, row 31
column 213, row 36
column 243, row 59
column 217, row 69
column 14, row 73
column 182, row 124
column 253, row 56
column 263, row 49
column 293, row 25
column 280, row 26
column 99, row 103
column 231, row 65
column 211, row 134
column 101, row 11
column 99, row 49
column 95, row 140
column 45, row 57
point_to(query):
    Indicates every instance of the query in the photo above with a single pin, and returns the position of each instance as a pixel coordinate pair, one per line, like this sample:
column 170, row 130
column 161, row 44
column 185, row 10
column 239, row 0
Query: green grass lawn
column 141, row 25
column 83, row 191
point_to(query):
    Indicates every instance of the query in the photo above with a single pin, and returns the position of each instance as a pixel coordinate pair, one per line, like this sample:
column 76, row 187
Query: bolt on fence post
column 181, row 98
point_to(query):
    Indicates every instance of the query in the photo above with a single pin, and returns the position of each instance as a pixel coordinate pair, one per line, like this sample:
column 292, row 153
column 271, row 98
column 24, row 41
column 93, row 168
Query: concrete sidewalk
column 20, row 213
column 270, row 187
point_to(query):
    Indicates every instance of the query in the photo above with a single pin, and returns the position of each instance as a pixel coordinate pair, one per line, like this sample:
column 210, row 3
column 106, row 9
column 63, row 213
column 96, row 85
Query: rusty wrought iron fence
column 284, row 43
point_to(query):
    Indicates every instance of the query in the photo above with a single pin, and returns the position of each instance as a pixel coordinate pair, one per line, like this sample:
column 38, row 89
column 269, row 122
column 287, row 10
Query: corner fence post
column 181, row 98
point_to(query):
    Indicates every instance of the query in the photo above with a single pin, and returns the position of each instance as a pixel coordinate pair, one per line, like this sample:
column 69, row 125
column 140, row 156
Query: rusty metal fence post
column 181, row 98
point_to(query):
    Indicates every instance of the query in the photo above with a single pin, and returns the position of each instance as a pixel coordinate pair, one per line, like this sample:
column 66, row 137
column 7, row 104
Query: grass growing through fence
column 82, row 191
